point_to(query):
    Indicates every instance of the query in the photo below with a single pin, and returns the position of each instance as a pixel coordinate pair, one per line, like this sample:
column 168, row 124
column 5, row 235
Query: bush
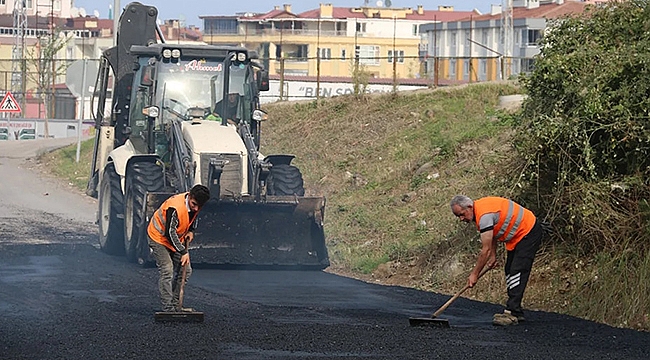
column 585, row 129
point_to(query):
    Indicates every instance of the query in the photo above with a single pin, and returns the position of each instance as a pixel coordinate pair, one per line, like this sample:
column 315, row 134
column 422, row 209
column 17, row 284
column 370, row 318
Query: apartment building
column 328, row 40
column 471, row 49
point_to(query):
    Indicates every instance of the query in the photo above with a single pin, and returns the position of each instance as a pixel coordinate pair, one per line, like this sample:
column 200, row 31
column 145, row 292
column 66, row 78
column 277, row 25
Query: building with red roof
column 472, row 49
column 332, row 41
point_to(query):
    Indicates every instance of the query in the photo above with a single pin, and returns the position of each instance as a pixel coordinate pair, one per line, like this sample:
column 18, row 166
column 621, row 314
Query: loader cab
column 182, row 84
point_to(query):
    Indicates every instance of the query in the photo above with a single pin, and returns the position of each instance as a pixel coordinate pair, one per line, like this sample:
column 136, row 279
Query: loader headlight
column 151, row 111
column 176, row 53
column 241, row 57
column 167, row 53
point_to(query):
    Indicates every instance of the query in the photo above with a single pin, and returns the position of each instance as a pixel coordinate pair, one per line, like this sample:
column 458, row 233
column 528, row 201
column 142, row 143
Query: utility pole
column 116, row 19
column 53, row 98
column 394, row 55
column 507, row 33
column 356, row 54
column 18, row 64
column 435, row 51
column 281, row 61
column 469, row 39
column 318, row 62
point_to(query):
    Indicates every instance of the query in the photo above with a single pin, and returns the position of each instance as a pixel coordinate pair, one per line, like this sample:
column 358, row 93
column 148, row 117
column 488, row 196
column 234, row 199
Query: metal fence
column 382, row 73
column 39, row 85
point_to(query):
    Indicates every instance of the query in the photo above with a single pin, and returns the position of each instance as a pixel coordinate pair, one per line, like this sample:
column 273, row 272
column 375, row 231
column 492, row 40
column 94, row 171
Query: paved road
column 61, row 298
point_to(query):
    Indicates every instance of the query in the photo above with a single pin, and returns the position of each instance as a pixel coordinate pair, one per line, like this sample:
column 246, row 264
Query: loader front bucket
column 278, row 232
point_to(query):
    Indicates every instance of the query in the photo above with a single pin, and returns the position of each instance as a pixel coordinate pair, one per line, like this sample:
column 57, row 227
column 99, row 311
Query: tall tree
column 46, row 68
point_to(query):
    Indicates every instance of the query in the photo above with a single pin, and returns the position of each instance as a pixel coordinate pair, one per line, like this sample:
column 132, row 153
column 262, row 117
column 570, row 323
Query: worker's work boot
column 505, row 319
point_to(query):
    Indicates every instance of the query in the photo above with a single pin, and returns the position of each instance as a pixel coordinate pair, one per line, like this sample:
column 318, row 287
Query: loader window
column 186, row 85
column 240, row 93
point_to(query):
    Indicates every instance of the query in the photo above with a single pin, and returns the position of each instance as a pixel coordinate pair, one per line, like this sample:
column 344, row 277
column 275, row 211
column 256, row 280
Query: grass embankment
column 388, row 166
column 63, row 164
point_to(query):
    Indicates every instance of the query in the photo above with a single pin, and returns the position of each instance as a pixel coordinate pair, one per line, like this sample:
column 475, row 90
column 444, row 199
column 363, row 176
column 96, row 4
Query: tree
column 46, row 69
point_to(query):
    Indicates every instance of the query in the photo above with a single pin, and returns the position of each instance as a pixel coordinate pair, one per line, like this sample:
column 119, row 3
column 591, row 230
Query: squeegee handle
column 181, row 293
column 457, row 295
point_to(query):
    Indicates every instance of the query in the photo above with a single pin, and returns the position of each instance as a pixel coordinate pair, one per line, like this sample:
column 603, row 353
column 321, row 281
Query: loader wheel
column 111, row 206
column 142, row 177
column 285, row 179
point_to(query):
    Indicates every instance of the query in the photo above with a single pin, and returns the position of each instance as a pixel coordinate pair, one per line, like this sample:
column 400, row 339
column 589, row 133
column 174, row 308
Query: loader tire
column 142, row 177
column 111, row 208
column 285, row 179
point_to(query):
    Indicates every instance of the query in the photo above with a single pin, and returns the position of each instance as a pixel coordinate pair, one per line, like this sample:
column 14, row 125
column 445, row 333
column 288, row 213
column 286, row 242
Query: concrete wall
column 306, row 90
column 57, row 128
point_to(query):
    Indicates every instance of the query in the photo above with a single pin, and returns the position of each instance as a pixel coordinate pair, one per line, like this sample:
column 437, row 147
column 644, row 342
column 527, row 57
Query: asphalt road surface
column 62, row 298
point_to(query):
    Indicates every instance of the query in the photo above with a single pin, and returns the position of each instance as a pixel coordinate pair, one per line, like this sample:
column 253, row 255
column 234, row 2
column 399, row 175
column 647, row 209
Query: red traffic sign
column 9, row 104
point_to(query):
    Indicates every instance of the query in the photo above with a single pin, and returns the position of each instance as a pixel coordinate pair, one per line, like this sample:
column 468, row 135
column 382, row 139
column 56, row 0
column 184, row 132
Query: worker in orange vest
column 172, row 224
column 503, row 220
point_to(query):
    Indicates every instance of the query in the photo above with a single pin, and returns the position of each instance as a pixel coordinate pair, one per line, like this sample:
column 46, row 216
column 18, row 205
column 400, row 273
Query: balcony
column 297, row 32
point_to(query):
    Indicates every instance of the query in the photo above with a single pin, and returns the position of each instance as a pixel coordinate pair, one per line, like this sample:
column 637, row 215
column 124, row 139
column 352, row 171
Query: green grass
column 382, row 141
column 63, row 164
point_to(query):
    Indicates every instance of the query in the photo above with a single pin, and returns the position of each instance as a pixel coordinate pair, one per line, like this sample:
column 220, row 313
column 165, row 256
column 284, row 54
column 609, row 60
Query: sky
column 190, row 10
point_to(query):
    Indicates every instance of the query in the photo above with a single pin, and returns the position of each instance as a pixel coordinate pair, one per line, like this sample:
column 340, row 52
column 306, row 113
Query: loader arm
column 181, row 158
column 257, row 170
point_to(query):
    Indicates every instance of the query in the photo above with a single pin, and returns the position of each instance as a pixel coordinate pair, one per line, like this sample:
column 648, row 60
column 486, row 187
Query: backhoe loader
column 182, row 115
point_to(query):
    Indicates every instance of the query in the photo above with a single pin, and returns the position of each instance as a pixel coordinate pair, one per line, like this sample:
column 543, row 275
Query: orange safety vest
column 515, row 221
column 156, row 228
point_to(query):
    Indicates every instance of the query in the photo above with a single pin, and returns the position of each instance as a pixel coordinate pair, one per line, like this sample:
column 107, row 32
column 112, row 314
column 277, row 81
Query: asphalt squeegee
column 184, row 315
column 433, row 321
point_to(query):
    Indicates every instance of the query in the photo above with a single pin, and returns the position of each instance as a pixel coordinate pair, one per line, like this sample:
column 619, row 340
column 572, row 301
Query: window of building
column 527, row 65
column 343, row 54
column 399, row 54
column 466, row 67
column 3, row 2
column 56, row 5
column 452, row 41
column 361, row 27
column 325, row 53
column 278, row 52
column 221, row 26
column 416, row 30
column 534, row 36
column 29, row 4
column 452, row 68
column 367, row 54
column 303, row 52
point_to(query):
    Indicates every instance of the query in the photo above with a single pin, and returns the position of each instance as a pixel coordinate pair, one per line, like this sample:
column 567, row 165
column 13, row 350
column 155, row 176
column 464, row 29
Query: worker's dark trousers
column 518, row 265
column 169, row 268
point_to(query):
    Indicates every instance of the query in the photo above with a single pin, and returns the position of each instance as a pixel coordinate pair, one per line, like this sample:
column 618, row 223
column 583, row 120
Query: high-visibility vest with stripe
column 156, row 228
column 515, row 221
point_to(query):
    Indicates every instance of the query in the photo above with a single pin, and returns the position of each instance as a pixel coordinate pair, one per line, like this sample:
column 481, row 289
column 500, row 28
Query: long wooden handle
column 181, row 293
column 458, row 294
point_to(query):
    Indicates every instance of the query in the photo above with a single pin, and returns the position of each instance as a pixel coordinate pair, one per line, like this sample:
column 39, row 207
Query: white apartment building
column 471, row 49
